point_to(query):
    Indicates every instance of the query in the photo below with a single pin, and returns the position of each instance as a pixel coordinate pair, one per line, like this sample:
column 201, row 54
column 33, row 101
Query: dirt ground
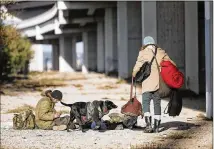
column 189, row 130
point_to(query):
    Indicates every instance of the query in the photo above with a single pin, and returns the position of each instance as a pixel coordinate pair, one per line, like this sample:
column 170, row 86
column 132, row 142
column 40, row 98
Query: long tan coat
column 152, row 82
column 44, row 113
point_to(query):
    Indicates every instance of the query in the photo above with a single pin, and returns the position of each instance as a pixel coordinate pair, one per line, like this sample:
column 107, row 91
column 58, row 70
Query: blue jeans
column 146, row 97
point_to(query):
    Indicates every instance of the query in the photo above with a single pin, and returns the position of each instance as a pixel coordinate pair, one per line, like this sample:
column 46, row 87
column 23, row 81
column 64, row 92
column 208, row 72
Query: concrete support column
column 171, row 30
column 149, row 19
column 55, row 57
column 209, row 57
column 110, row 40
column 90, row 50
column 100, row 47
column 36, row 63
column 65, row 58
column 85, row 53
column 74, row 54
column 129, row 36
column 191, row 46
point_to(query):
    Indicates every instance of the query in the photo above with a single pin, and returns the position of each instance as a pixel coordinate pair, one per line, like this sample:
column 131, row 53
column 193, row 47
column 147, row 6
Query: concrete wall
column 191, row 46
column 100, row 47
column 170, row 30
column 90, row 50
column 111, row 61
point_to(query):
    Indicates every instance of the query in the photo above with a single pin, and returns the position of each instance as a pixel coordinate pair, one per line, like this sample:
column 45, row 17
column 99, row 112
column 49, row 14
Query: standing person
column 150, row 86
column 46, row 115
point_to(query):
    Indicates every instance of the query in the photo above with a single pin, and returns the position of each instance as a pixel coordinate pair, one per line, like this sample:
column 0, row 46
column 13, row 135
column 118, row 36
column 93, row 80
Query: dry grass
column 121, row 81
column 26, row 107
column 79, row 86
column 57, row 75
column 29, row 85
column 107, row 87
column 148, row 146
column 123, row 99
column 38, row 81
column 21, row 109
column 201, row 116
column 179, row 135
column 105, row 98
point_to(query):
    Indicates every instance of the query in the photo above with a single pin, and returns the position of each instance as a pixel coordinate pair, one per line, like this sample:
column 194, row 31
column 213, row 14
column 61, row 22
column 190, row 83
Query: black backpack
column 145, row 70
column 175, row 104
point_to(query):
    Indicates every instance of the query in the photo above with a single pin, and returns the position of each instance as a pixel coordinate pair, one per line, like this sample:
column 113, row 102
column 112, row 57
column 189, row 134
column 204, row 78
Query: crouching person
column 47, row 117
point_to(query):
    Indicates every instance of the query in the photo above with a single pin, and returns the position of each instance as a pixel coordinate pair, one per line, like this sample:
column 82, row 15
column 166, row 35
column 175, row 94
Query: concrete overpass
column 112, row 34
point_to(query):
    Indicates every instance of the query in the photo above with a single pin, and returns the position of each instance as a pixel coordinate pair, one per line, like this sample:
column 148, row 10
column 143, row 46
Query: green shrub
column 15, row 50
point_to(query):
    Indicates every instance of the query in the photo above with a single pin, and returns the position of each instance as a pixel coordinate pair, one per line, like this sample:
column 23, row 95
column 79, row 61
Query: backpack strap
column 166, row 108
column 154, row 54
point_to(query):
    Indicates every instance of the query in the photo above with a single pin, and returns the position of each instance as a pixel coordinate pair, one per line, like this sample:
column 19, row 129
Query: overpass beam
column 110, row 40
column 129, row 36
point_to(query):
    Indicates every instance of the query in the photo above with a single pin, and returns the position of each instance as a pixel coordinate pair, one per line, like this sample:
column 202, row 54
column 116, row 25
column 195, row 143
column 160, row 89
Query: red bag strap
column 131, row 91
column 131, row 88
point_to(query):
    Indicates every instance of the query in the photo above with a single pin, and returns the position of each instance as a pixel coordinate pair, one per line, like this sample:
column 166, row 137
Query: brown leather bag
column 133, row 107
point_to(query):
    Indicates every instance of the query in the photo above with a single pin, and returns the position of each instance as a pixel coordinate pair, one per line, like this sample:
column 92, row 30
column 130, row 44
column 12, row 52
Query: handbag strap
column 131, row 88
column 131, row 91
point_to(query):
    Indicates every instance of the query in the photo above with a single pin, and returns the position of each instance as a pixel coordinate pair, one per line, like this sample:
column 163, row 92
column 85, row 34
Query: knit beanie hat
column 56, row 94
column 148, row 40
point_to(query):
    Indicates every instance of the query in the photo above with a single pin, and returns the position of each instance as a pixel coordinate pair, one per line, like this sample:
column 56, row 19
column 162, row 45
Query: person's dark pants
column 147, row 96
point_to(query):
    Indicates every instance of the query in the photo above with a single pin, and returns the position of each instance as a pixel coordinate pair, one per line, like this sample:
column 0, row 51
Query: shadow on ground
column 177, row 125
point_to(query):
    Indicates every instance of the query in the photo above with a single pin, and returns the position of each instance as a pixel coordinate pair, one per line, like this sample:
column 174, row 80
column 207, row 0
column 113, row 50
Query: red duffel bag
column 171, row 75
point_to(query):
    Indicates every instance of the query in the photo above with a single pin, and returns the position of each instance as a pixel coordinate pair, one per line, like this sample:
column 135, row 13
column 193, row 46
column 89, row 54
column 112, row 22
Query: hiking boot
column 156, row 125
column 148, row 120
column 60, row 127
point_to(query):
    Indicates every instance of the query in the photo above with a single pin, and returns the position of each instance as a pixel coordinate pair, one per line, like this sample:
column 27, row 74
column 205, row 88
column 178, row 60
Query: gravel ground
column 199, row 131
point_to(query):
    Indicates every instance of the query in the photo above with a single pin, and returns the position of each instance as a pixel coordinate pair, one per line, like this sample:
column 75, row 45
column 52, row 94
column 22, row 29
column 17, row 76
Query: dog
column 85, row 112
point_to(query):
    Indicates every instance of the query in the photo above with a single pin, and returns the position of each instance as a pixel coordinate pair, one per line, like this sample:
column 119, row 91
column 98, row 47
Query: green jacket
column 45, row 112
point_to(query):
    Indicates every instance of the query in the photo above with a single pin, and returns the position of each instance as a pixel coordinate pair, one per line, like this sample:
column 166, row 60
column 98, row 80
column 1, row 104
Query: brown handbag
column 133, row 107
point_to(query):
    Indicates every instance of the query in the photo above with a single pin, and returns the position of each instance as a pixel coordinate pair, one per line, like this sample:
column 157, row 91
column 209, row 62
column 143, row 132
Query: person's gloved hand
column 95, row 126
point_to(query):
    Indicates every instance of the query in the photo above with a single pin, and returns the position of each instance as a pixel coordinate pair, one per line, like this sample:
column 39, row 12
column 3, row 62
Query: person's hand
column 57, row 114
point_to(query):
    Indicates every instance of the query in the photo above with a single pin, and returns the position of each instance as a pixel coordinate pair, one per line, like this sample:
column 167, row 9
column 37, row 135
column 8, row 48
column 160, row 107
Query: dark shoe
column 148, row 120
column 156, row 125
